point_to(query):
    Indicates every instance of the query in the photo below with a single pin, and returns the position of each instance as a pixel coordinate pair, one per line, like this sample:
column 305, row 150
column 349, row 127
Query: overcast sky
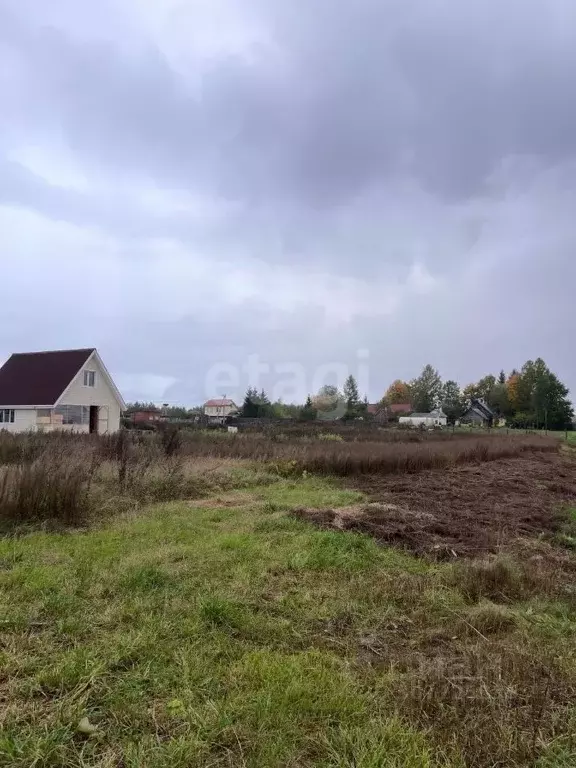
column 186, row 184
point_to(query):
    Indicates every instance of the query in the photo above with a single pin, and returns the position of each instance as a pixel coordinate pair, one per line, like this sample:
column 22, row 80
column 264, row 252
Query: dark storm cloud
column 346, row 94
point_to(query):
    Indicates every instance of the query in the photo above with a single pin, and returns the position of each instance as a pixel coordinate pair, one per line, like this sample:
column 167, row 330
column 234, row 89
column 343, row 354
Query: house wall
column 473, row 417
column 24, row 420
column 101, row 395
column 421, row 421
column 138, row 417
column 218, row 410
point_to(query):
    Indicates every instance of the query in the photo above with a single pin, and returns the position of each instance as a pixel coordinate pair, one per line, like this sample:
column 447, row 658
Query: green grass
column 197, row 635
column 566, row 534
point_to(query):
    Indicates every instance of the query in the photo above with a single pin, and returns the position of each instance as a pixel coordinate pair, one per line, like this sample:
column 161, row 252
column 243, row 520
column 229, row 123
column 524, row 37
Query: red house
column 146, row 416
column 384, row 413
column 400, row 409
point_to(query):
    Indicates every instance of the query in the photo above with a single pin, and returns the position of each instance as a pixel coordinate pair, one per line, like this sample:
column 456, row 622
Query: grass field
column 225, row 631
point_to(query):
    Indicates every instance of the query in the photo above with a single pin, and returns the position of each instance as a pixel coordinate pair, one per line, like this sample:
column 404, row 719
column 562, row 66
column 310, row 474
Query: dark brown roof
column 400, row 408
column 39, row 378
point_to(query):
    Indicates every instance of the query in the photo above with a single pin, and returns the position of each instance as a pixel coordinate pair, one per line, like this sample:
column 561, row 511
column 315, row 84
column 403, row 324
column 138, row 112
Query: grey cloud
column 361, row 138
column 351, row 94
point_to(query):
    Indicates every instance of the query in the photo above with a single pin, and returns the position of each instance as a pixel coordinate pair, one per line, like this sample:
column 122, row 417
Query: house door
column 93, row 419
column 103, row 420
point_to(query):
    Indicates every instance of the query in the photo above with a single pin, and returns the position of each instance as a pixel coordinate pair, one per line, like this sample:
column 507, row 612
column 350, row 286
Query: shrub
column 15, row 448
column 164, row 480
column 171, row 440
column 45, row 490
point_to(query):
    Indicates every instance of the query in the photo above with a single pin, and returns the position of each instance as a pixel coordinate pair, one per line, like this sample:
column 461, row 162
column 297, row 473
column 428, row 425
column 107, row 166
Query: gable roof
column 219, row 403
column 400, row 408
column 39, row 378
column 481, row 407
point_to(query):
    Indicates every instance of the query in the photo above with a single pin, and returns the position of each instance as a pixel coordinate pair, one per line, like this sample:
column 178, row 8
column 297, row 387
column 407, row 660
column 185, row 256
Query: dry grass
column 498, row 701
column 49, row 489
column 63, row 477
column 63, row 480
column 352, row 458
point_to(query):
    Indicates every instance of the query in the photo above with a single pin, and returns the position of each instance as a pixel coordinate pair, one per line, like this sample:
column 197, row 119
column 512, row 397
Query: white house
column 218, row 410
column 435, row 418
column 67, row 390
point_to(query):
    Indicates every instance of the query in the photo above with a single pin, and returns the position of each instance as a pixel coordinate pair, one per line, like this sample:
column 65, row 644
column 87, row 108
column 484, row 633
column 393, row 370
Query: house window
column 43, row 413
column 6, row 416
column 73, row 414
column 89, row 378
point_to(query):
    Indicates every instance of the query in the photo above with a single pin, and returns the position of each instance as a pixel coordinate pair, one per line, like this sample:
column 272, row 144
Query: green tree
column 363, row 407
column 308, row 412
column 283, row 410
column 178, row 412
column 502, row 378
column 512, row 391
column 352, row 398
column 485, row 389
column 485, row 386
column 351, row 394
column 541, row 399
column 250, row 405
column 265, row 407
column 469, row 393
column 137, row 406
column 499, row 401
column 558, row 411
column 426, row 390
column 453, row 403
column 548, row 397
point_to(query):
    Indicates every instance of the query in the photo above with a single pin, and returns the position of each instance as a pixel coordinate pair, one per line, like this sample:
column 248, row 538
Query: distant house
column 478, row 413
column 399, row 409
column 384, row 413
column 436, row 418
column 67, row 390
column 377, row 412
column 218, row 410
column 145, row 416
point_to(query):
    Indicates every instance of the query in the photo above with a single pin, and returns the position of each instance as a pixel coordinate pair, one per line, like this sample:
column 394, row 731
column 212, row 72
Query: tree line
column 532, row 397
column 329, row 402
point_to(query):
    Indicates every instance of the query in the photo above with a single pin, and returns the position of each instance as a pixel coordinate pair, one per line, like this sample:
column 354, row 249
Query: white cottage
column 435, row 418
column 67, row 390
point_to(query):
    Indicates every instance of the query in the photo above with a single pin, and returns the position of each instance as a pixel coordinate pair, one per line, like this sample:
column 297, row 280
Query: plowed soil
column 467, row 510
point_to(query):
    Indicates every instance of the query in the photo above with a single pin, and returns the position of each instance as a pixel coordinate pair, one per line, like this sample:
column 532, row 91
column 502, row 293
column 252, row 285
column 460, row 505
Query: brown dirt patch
column 466, row 510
